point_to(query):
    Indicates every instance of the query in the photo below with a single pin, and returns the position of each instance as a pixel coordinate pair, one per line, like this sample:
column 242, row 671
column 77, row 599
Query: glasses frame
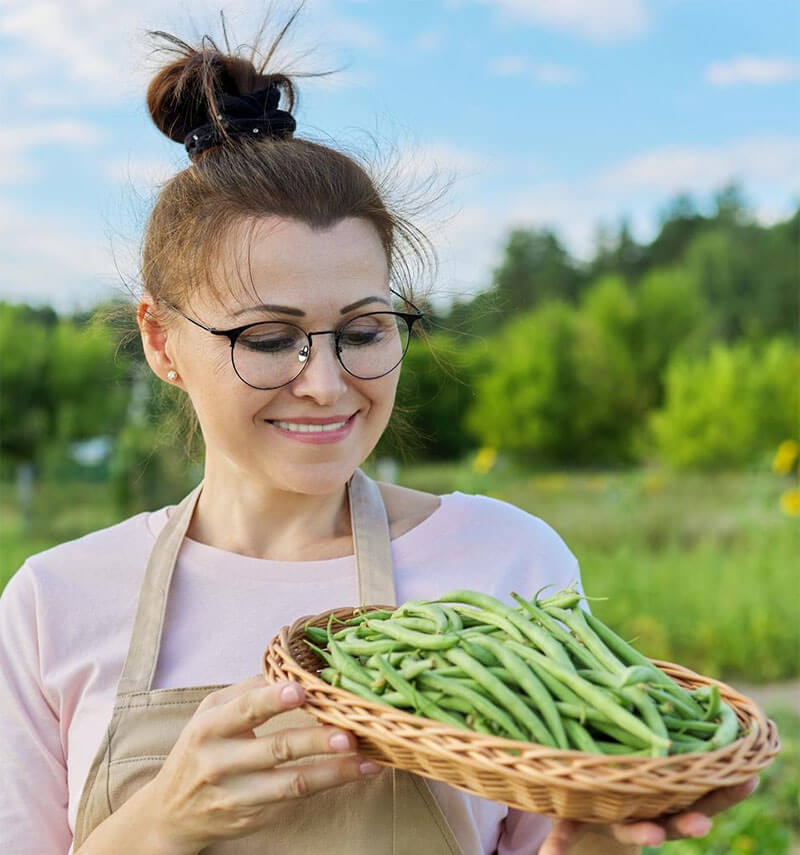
column 233, row 334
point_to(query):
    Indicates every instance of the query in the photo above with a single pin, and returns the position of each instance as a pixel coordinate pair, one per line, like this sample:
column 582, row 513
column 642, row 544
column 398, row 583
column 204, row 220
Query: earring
column 172, row 374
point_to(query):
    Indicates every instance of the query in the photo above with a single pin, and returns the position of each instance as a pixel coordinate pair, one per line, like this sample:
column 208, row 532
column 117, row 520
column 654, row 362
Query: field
column 698, row 569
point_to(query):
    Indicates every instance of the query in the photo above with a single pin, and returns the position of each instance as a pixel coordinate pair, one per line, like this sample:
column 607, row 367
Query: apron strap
column 371, row 542
column 375, row 577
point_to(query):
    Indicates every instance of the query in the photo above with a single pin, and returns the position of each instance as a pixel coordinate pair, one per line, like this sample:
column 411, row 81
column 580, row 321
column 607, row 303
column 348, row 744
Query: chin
column 315, row 479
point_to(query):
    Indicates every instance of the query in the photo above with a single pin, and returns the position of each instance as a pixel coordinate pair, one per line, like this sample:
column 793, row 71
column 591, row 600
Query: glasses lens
column 269, row 355
column 372, row 345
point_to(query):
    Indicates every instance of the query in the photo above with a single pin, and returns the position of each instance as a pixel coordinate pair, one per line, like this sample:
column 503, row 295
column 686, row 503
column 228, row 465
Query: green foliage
column 535, row 267
column 730, row 407
column 556, row 388
column 61, row 382
column 434, row 392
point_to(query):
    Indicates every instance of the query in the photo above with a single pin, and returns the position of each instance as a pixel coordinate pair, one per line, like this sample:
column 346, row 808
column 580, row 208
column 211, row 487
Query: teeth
column 299, row 428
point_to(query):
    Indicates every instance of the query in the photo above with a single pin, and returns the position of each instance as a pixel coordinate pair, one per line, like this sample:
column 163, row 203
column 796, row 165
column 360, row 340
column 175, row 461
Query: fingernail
column 290, row 695
column 368, row 768
column 339, row 742
column 700, row 827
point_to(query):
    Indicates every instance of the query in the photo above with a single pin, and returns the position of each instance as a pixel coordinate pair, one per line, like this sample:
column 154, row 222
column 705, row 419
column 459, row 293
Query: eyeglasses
column 271, row 354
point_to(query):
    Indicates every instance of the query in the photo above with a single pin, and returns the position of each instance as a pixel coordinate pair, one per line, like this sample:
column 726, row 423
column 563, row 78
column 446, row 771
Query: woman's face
column 316, row 280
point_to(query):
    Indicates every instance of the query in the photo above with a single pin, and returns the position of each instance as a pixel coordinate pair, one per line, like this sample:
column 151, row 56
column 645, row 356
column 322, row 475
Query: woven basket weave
column 543, row 780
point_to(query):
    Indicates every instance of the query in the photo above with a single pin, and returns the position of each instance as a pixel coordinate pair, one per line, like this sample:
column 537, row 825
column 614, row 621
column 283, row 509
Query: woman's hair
column 245, row 178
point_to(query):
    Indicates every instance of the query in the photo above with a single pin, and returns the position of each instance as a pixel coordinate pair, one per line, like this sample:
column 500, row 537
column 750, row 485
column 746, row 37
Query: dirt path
column 773, row 696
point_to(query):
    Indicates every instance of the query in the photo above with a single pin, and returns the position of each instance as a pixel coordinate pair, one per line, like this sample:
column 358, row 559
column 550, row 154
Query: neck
column 249, row 518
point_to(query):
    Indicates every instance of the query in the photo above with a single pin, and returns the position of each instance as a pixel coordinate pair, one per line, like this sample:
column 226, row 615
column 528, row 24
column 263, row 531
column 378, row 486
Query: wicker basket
column 548, row 781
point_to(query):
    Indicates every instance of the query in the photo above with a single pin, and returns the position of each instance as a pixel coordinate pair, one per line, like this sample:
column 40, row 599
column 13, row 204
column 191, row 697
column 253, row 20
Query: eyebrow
column 299, row 313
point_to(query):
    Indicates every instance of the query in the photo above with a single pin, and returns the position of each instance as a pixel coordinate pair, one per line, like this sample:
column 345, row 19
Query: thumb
column 562, row 834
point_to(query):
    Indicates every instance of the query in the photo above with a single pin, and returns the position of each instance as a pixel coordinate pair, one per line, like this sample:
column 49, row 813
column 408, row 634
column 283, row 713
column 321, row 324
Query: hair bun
column 195, row 89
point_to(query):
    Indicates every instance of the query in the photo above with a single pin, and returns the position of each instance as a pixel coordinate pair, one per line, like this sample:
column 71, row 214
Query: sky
column 498, row 114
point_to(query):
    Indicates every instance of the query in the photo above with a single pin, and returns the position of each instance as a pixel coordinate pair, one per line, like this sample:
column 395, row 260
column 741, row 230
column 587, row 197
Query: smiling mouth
column 311, row 427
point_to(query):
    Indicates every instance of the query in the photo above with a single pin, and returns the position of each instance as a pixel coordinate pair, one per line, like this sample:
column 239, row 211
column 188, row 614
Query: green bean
column 563, row 600
column 532, row 632
column 682, row 724
column 599, row 699
column 349, row 665
column 580, row 737
column 577, row 650
column 317, row 634
column 454, row 622
column 479, row 703
column 394, row 658
column 630, row 656
column 486, row 617
column 417, row 623
column 577, row 623
column 580, row 712
column 379, row 614
column 620, row 735
column 686, row 710
column 421, row 703
column 429, row 612
column 502, row 695
column 323, row 654
column 409, row 667
column 483, row 656
column 615, row 748
column 356, row 688
column 711, row 695
column 636, row 674
column 728, row 728
column 422, row 640
column 527, row 680
column 557, row 689
column 368, row 648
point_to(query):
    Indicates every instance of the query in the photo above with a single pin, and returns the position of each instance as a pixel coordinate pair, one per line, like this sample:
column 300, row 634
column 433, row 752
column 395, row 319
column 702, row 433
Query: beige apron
column 394, row 812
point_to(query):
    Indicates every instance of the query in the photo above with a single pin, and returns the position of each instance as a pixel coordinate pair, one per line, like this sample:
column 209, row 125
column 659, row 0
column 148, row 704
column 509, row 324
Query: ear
column 155, row 340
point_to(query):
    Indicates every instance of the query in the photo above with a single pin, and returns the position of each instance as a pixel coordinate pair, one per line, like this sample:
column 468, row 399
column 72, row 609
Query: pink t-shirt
column 66, row 618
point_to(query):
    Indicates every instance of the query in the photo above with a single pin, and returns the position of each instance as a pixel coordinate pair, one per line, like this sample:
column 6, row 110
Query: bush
column 730, row 407
column 558, row 389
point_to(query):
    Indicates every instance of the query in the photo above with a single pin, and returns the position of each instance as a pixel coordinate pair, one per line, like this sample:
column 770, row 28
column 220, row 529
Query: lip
column 310, row 420
column 317, row 438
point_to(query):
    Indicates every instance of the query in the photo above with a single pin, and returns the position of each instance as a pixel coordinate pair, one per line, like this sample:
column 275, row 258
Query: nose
column 323, row 377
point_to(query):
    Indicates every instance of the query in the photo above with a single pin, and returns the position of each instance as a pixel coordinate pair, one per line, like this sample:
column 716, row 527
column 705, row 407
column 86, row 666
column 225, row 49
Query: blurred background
column 612, row 333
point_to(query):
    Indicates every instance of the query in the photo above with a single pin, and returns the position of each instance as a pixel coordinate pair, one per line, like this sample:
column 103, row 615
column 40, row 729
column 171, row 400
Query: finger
column 239, row 756
column 221, row 696
column 719, row 800
column 561, row 836
column 246, row 711
column 688, row 824
column 639, row 833
column 304, row 779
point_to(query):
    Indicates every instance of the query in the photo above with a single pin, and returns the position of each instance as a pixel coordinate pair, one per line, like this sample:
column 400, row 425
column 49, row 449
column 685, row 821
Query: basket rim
column 761, row 730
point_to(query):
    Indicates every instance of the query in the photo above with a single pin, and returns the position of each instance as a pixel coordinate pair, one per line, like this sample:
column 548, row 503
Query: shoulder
column 406, row 508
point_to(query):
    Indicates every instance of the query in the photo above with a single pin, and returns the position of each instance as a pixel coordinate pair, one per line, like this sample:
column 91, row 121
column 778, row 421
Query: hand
column 221, row 781
column 693, row 822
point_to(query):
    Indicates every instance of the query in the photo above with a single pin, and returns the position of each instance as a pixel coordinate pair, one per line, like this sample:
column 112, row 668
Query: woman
column 131, row 722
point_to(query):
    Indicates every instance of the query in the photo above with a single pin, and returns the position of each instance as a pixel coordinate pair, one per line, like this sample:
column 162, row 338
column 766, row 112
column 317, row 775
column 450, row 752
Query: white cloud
column 42, row 259
column 96, row 51
column 548, row 73
column 18, row 141
column 598, row 20
column 773, row 159
column 760, row 70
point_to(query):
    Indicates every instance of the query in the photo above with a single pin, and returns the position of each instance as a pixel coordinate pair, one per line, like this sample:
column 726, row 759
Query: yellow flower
column 484, row 460
column 785, row 457
column 790, row 502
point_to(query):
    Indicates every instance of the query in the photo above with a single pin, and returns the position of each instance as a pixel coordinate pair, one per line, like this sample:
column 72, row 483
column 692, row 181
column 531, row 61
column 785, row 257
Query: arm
column 133, row 829
column 33, row 810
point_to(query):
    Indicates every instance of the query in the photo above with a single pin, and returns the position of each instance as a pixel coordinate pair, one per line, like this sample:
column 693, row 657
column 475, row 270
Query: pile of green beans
column 546, row 671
